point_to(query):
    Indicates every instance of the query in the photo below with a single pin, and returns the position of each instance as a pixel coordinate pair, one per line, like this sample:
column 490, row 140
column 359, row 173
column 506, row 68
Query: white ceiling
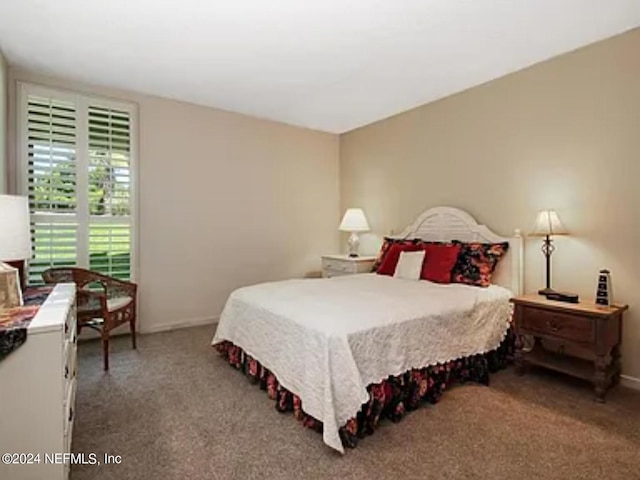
column 331, row 65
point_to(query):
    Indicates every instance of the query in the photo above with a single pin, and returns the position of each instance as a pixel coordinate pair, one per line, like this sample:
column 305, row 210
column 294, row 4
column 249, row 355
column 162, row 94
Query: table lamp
column 15, row 232
column 547, row 225
column 354, row 221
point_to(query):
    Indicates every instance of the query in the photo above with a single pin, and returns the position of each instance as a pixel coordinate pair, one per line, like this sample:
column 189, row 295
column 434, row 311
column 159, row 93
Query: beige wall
column 564, row 134
column 224, row 200
column 3, row 122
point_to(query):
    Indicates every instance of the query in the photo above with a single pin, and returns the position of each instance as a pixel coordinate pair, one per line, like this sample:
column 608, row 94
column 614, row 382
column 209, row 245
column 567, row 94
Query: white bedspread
column 327, row 339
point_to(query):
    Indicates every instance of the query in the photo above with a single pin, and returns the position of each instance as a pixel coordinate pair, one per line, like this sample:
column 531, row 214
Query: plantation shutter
column 110, row 191
column 51, row 176
column 77, row 156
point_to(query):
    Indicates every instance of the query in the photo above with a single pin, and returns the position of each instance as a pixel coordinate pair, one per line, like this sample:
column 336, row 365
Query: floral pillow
column 477, row 262
column 386, row 245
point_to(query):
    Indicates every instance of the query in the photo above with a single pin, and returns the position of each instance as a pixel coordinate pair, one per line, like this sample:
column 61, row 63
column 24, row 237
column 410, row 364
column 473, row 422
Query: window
column 78, row 168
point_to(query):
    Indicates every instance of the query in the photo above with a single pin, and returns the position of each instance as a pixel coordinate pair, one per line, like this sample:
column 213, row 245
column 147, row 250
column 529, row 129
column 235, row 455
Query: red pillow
column 386, row 245
column 390, row 261
column 439, row 260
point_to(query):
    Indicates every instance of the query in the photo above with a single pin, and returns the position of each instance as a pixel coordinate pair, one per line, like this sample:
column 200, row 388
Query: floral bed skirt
column 391, row 398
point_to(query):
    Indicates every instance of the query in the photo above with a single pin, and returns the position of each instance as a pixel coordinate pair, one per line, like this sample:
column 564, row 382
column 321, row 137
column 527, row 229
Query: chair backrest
column 80, row 276
column 90, row 280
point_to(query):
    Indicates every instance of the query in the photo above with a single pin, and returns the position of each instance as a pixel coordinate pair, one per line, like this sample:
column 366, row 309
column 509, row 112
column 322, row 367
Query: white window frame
column 82, row 102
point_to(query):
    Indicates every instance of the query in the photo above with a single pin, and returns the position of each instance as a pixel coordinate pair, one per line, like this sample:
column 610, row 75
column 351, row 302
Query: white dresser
column 337, row 265
column 38, row 389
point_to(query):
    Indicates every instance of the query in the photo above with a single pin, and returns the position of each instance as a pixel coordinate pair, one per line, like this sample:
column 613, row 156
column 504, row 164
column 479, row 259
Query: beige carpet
column 175, row 410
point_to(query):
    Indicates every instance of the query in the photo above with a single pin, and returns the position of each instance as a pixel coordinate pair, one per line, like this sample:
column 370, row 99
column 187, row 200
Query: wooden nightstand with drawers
column 580, row 339
column 338, row 265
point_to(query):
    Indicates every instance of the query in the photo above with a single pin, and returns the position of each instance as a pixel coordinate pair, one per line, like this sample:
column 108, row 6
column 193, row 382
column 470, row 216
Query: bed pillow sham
column 476, row 262
column 386, row 245
column 390, row 261
column 410, row 265
column 440, row 258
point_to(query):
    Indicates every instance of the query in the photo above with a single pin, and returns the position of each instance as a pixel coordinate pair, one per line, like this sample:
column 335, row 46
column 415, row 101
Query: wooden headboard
column 444, row 224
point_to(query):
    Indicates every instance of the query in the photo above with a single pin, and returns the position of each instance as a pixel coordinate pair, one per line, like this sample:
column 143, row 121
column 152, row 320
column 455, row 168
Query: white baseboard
column 192, row 322
column 630, row 382
column 89, row 334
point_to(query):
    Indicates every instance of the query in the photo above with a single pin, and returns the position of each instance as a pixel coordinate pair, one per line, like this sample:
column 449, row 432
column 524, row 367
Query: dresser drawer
column 337, row 266
column 70, row 323
column 560, row 325
column 333, row 273
column 69, row 407
column 70, row 360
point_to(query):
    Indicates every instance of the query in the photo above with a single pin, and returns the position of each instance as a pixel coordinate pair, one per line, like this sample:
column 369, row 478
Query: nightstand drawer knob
column 552, row 326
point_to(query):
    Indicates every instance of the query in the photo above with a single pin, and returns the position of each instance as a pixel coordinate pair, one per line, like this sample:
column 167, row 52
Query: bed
column 334, row 349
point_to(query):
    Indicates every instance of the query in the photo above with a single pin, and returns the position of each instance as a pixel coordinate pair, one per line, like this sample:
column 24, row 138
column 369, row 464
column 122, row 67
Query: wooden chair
column 104, row 308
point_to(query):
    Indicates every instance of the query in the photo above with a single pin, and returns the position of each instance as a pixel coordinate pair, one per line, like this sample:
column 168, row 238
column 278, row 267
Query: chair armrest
column 83, row 297
column 90, row 303
column 115, row 287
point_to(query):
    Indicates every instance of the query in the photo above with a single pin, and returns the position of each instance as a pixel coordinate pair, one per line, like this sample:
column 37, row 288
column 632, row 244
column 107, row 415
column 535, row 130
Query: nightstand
column 586, row 339
column 337, row 265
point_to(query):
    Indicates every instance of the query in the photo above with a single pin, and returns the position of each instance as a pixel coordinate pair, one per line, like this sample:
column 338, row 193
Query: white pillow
column 409, row 265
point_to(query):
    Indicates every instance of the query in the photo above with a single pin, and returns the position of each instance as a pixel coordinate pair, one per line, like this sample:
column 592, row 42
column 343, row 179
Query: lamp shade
column 354, row 221
column 15, row 229
column 548, row 223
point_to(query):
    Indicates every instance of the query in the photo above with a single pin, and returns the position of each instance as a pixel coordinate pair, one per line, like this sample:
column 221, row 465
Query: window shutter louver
column 77, row 170
column 51, row 177
column 51, row 136
column 110, row 249
column 54, row 245
column 110, row 191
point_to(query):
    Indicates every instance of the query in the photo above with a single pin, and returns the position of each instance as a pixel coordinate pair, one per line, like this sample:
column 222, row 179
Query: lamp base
column 546, row 291
column 353, row 244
